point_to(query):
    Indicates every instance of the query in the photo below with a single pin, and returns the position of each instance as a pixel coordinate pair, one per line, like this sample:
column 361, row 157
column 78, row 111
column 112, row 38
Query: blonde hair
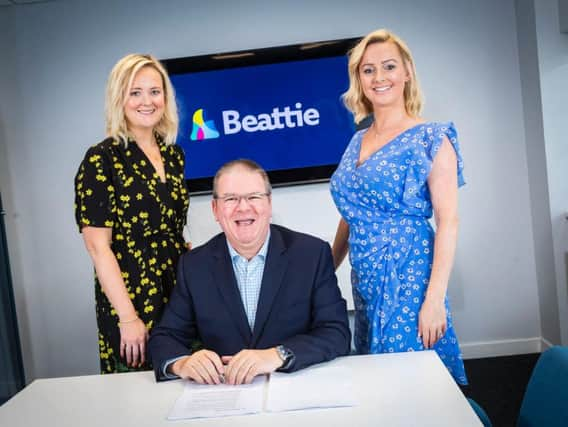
column 118, row 88
column 355, row 100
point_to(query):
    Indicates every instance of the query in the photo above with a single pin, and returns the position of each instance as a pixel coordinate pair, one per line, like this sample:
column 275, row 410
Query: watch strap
column 286, row 355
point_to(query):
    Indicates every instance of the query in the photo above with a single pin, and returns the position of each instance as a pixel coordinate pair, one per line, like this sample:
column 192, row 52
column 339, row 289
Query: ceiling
column 21, row 2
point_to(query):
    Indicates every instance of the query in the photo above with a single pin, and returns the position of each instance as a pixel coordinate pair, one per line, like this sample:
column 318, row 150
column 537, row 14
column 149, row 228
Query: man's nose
column 240, row 203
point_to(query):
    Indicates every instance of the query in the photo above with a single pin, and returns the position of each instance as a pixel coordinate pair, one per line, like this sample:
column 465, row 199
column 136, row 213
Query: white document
column 209, row 401
column 317, row 387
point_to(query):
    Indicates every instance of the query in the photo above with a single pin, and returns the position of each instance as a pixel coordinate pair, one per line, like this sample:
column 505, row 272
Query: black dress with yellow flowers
column 117, row 187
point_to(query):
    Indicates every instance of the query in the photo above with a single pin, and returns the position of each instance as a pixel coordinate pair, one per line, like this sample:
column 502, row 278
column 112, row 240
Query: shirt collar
column 261, row 253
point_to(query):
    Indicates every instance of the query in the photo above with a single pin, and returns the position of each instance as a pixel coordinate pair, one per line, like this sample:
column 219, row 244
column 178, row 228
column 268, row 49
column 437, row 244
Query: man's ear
column 214, row 207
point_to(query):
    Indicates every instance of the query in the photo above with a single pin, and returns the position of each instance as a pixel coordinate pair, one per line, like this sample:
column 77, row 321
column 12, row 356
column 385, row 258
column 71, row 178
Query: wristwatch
column 285, row 354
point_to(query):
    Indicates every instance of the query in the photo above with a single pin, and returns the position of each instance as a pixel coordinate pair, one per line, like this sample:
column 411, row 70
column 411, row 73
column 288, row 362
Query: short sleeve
column 94, row 191
column 434, row 137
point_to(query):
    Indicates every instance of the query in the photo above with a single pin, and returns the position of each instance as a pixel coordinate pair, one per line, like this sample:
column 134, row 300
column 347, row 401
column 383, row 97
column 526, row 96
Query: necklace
column 400, row 127
column 375, row 129
column 387, row 135
column 384, row 131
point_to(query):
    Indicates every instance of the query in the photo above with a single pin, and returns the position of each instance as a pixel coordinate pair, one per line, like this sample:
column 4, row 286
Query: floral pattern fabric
column 386, row 203
column 117, row 186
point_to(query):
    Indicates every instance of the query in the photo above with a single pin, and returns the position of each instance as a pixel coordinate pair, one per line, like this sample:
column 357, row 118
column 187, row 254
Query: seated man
column 259, row 297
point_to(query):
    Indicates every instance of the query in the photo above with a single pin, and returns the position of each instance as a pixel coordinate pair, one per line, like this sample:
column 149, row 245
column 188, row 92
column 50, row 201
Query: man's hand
column 203, row 367
column 247, row 364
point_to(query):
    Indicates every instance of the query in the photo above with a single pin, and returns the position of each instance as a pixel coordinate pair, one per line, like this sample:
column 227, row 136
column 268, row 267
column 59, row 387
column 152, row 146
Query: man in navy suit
column 259, row 297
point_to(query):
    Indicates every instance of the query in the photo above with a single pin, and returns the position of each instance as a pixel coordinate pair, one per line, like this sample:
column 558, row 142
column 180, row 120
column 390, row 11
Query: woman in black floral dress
column 131, row 206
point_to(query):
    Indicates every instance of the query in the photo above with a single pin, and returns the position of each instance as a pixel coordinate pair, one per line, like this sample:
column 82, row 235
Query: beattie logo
column 278, row 118
column 203, row 129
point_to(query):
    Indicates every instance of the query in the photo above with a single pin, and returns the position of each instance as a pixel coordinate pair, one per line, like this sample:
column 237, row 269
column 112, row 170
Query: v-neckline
column 382, row 147
column 154, row 170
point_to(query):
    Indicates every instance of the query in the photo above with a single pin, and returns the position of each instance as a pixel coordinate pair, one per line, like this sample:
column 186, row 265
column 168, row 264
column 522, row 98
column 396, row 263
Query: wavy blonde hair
column 355, row 100
column 117, row 91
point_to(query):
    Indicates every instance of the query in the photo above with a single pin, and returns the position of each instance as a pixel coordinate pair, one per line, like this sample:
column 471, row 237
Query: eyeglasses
column 233, row 200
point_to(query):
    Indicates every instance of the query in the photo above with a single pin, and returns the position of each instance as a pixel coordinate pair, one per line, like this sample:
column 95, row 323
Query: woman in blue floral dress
column 392, row 177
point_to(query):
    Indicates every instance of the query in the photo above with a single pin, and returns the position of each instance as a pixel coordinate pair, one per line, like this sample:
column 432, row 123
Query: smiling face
column 145, row 102
column 246, row 222
column 383, row 75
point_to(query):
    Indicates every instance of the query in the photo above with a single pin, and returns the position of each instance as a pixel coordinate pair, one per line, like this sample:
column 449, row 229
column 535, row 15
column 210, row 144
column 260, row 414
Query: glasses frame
column 228, row 202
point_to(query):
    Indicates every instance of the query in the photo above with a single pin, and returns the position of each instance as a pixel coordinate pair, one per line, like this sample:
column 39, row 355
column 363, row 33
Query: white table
column 405, row 389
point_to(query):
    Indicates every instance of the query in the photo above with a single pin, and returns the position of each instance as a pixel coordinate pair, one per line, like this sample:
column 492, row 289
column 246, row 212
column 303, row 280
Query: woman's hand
column 432, row 322
column 133, row 337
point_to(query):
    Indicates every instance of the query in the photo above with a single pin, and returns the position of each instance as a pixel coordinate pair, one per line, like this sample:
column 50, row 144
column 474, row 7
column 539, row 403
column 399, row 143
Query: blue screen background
column 315, row 83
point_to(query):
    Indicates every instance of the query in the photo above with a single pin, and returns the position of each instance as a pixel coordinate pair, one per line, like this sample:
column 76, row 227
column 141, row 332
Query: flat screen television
column 278, row 106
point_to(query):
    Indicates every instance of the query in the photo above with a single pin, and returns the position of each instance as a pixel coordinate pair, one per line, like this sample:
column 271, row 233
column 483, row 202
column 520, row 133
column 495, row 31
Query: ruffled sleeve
column 433, row 138
column 94, row 191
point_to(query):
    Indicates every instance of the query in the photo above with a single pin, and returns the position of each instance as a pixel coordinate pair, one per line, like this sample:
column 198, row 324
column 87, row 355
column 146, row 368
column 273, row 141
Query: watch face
column 284, row 353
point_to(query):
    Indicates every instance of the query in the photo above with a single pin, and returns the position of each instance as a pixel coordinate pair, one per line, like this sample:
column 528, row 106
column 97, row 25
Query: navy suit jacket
column 300, row 305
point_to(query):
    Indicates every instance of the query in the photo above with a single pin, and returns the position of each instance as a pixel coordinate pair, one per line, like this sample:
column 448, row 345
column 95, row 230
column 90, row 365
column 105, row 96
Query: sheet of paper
column 316, row 387
column 209, row 401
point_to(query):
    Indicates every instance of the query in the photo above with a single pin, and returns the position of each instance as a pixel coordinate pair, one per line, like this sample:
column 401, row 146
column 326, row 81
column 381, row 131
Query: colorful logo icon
column 203, row 129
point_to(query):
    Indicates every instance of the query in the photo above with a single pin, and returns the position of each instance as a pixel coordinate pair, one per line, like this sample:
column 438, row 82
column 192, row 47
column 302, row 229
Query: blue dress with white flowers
column 386, row 203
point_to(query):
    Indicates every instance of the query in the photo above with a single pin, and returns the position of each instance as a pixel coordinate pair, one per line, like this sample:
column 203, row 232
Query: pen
column 222, row 378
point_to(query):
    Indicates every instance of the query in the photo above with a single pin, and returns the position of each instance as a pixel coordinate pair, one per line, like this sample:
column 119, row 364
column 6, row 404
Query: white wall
column 466, row 54
column 553, row 64
column 537, row 171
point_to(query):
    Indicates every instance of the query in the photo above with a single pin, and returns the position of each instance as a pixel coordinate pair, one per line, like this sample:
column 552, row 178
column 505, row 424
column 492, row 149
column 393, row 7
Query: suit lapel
column 274, row 270
column 226, row 282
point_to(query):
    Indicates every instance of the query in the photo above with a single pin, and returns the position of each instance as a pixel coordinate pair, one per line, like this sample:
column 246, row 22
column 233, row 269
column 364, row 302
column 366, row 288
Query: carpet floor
column 498, row 384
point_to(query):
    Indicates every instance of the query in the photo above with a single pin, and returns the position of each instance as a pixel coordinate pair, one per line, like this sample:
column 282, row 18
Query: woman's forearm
column 444, row 252
column 109, row 274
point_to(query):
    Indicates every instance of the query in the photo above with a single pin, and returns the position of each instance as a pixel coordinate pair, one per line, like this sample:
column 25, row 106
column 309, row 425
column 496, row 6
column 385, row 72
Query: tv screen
column 278, row 106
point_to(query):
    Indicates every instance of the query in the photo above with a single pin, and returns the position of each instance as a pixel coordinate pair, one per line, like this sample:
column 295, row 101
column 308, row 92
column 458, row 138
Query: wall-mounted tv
column 279, row 106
